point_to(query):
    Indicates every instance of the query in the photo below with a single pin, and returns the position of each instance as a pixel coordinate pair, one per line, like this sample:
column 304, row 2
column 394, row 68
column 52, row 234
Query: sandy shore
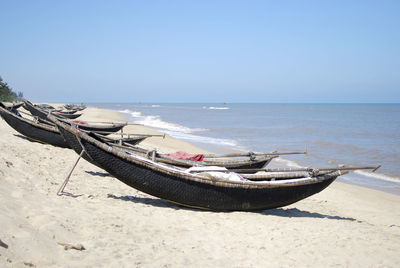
column 344, row 225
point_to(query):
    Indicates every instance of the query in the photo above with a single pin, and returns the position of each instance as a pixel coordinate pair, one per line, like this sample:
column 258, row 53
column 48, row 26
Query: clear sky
column 202, row 51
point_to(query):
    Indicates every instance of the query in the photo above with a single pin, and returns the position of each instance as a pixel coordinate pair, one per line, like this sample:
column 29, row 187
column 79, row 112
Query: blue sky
column 202, row 51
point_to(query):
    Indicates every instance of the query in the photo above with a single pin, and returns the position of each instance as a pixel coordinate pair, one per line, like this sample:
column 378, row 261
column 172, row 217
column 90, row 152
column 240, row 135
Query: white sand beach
column 118, row 226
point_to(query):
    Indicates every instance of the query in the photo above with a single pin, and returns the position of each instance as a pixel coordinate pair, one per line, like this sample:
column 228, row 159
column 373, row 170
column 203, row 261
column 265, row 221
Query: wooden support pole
column 61, row 190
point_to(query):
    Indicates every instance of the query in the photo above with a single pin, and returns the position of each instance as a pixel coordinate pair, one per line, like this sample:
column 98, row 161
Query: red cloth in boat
column 186, row 156
column 79, row 122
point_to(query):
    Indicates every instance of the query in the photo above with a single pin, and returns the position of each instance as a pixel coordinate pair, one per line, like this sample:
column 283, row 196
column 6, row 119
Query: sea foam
column 378, row 176
column 156, row 122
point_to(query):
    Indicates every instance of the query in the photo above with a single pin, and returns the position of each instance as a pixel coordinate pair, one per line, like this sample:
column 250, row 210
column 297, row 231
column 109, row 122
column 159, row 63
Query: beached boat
column 12, row 105
column 202, row 190
column 102, row 128
column 46, row 132
column 66, row 111
column 78, row 107
column 37, row 131
column 251, row 163
column 65, row 115
column 42, row 113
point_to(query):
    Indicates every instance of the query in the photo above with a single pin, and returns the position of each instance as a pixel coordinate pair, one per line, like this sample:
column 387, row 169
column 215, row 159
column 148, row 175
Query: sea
column 331, row 134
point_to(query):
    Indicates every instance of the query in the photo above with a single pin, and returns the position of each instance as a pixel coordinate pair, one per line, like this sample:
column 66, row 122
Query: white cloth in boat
column 216, row 172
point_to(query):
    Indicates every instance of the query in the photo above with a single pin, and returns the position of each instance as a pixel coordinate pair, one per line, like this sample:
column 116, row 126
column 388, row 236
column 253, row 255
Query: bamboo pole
column 374, row 168
column 114, row 123
column 252, row 170
column 61, row 190
column 124, row 133
column 250, row 154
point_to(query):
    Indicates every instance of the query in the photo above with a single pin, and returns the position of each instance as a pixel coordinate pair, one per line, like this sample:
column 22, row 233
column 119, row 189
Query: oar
column 251, row 154
column 124, row 133
column 113, row 123
column 374, row 168
column 253, row 170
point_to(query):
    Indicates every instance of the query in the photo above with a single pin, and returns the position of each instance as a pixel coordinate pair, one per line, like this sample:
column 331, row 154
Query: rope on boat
column 80, row 143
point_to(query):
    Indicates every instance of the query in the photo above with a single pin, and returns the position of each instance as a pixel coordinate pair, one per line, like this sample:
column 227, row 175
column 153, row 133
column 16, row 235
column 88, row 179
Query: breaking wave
column 156, row 122
column 378, row 176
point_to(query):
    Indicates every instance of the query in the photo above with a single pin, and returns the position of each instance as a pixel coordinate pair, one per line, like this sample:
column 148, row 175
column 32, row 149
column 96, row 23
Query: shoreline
column 120, row 226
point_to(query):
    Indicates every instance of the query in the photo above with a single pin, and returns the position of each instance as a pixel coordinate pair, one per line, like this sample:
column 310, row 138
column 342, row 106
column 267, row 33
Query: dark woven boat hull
column 97, row 129
column 73, row 143
column 68, row 116
column 197, row 194
column 33, row 131
column 43, row 115
column 34, row 111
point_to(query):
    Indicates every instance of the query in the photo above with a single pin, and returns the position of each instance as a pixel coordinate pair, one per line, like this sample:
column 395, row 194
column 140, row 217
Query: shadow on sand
column 281, row 212
column 297, row 213
column 100, row 174
column 156, row 202
column 28, row 139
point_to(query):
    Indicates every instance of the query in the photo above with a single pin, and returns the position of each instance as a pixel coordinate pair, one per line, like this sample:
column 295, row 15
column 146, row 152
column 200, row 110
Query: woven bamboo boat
column 12, row 105
column 66, row 111
column 37, row 131
column 78, row 107
column 65, row 115
column 200, row 190
column 103, row 128
column 255, row 163
column 46, row 132
column 42, row 113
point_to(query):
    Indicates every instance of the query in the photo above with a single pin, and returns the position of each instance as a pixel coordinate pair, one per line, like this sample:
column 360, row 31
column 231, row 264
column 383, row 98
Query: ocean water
column 332, row 134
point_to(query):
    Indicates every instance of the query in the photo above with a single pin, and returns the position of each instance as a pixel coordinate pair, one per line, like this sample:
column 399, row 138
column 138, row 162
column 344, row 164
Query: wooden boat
column 258, row 162
column 42, row 113
column 66, row 111
column 66, row 115
column 197, row 190
column 77, row 107
column 33, row 130
column 46, row 132
column 202, row 190
column 102, row 128
column 12, row 105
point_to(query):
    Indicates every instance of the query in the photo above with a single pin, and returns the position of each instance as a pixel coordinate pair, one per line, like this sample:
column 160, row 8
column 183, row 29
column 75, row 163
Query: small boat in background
column 37, row 131
column 42, row 113
column 46, row 132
